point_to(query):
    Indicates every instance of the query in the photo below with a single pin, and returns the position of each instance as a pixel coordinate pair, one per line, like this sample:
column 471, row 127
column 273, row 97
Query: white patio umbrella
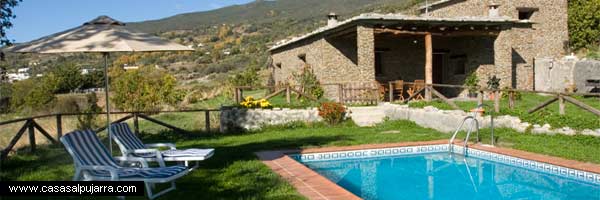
column 101, row 35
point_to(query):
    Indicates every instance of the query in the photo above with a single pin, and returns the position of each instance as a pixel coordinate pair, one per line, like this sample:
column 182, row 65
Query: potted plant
column 493, row 83
column 472, row 81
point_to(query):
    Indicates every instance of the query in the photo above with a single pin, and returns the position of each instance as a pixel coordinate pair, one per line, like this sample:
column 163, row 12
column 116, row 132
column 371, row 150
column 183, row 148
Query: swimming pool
column 431, row 172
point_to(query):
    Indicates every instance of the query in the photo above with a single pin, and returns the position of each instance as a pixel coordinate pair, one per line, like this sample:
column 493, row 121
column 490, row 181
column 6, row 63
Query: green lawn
column 574, row 117
column 235, row 173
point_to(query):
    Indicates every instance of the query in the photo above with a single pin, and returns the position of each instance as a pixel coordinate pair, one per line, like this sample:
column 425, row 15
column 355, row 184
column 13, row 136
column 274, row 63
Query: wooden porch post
column 428, row 65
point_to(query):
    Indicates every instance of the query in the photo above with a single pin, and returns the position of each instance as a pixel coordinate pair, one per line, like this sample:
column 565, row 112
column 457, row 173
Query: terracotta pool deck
column 316, row 187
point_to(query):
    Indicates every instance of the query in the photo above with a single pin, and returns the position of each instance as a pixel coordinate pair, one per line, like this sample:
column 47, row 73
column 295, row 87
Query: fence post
column 391, row 91
column 287, row 94
column 428, row 93
column 340, row 93
column 136, row 124
column 511, row 99
column 496, row 101
column 561, row 104
column 479, row 97
column 207, row 120
column 59, row 126
column 31, row 135
column 236, row 94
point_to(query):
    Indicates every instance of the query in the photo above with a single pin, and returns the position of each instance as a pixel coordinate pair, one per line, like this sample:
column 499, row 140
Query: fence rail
column 30, row 126
column 373, row 93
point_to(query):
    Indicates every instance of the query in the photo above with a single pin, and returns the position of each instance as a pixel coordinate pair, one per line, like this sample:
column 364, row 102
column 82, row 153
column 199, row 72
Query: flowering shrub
column 249, row 102
column 332, row 113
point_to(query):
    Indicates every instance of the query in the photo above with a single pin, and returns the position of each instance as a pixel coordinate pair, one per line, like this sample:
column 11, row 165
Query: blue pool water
column 448, row 176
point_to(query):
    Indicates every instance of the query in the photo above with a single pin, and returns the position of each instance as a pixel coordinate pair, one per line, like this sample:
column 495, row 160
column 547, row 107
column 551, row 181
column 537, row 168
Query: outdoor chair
column 397, row 89
column 93, row 162
column 132, row 147
column 418, row 85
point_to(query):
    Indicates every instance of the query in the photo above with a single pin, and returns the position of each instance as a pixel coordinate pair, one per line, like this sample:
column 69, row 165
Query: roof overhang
column 387, row 20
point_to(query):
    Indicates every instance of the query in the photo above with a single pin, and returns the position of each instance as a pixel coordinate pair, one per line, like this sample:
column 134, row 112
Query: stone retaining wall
column 233, row 119
column 448, row 120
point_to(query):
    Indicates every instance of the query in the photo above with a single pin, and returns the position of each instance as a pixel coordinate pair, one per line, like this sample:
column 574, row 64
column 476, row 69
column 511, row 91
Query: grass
column 235, row 173
column 574, row 117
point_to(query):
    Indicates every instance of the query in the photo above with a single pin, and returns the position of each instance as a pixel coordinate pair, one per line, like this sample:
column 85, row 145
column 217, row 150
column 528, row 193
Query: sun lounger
column 93, row 162
column 132, row 147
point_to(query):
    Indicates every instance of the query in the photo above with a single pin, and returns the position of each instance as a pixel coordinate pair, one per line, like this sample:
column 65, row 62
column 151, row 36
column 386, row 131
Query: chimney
column 493, row 10
column 332, row 19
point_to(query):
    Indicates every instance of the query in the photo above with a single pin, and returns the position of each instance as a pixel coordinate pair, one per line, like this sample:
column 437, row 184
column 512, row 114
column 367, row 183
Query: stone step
column 367, row 116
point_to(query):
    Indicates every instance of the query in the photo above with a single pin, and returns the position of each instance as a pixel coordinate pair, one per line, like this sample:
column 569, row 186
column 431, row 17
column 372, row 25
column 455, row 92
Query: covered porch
column 425, row 50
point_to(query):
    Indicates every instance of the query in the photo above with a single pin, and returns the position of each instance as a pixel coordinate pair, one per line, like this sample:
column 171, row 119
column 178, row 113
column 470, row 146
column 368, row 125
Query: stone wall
column 236, row 119
column 544, row 36
column 332, row 59
column 448, row 120
column 556, row 75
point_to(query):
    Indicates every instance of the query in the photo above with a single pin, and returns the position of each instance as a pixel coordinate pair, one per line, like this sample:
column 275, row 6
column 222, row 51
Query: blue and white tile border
column 369, row 153
column 413, row 150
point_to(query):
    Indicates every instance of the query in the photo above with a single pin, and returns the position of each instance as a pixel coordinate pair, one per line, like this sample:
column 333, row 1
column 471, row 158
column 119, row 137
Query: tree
column 6, row 14
column 584, row 23
column 68, row 77
column 145, row 89
column 34, row 93
column 248, row 77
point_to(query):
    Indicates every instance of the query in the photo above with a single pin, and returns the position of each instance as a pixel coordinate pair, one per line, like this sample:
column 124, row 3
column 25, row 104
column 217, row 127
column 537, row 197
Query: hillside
column 262, row 11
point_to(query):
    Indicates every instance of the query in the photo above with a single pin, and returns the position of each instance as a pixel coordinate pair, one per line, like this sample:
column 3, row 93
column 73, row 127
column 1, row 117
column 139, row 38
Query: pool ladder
column 473, row 122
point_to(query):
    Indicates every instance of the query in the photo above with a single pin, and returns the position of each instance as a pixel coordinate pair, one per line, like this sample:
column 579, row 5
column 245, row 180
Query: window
column 302, row 57
column 526, row 13
column 278, row 65
column 460, row 64
column 378, row 64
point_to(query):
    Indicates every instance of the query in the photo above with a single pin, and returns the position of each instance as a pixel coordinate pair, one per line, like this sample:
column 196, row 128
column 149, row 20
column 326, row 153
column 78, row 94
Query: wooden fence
column 373, row 93
column 561, row 97
column 360, row 93
column 30, row 126
column 351, row 93
column 287, row 89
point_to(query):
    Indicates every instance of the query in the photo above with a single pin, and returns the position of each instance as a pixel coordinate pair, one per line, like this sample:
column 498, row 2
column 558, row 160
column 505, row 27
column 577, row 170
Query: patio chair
column 397, row 89
column 418, row 85
column 132, row 147
column 93, row 162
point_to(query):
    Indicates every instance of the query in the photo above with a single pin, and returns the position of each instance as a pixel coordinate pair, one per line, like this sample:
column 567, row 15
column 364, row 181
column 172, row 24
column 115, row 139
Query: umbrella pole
column 106, row 90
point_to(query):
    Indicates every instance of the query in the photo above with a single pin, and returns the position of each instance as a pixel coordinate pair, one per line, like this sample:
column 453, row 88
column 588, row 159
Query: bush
column 248, row 77
column 89, row 121
column 68, row 77
column 472, row 81
column 584, row 23
column 33, row 94
column 516, row 94
column 493, row 83
column 333, row 113
column 145, row 89
column 309, row 82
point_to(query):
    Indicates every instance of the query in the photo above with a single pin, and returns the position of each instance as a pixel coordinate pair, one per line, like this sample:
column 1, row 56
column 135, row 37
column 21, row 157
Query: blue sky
column 37, row 18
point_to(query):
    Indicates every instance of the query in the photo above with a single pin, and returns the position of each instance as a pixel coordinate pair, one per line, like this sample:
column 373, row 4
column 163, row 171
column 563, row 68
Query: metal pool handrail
column 466, row 143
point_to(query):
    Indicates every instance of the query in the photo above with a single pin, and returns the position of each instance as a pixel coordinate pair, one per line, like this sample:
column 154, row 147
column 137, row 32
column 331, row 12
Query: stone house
column 444, row 44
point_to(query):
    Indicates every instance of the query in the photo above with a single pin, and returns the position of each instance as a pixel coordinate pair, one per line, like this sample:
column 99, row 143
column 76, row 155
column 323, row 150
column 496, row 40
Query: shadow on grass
column 233, row 172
